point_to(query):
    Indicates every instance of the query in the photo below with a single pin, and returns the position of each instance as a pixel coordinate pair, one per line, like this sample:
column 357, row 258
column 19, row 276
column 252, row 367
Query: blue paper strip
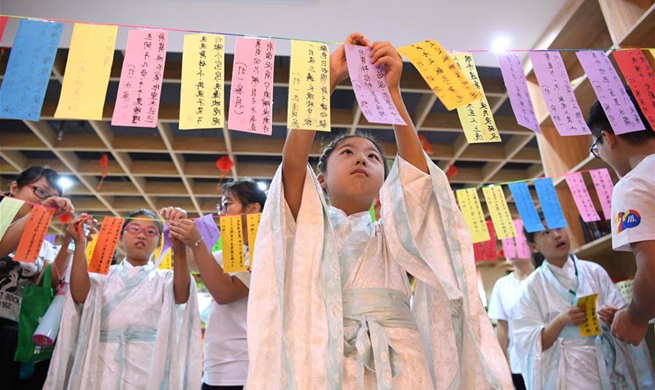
column 28, row 71
column 550, row 205
column 526, row 208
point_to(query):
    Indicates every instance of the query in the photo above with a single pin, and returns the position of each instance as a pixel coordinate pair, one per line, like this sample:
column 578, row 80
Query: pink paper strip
column 641, row 79
column 603, row 183
column 371, row 89
column 556, row 88
column 522, row 245
column 251, row 93
column 517, row 89
column 581, row 196
column 139, row 89
column 509, row 247
column 622, row 114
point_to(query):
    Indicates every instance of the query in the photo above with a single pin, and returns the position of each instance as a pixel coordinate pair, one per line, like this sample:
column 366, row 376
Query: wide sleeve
column 177, row 360
column 295, row 315
column 426, row 235
column 528, row 321
column 74, row 360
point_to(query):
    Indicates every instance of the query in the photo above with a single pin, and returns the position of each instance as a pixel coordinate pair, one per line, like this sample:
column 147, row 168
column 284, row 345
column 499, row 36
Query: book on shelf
column 595, row 230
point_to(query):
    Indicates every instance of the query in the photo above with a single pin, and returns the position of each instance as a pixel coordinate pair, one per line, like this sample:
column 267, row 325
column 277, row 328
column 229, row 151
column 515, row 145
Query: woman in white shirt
column 226, row 347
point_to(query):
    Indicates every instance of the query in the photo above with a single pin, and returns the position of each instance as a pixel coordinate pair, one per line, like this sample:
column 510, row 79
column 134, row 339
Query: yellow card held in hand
column 234, row 259
column 591, row 327
column 253, row 226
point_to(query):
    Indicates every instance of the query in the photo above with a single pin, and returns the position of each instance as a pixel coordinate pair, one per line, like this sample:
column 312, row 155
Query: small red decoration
column 451, row 171
column 225, row 164
column 426, row 145
column 104, row 164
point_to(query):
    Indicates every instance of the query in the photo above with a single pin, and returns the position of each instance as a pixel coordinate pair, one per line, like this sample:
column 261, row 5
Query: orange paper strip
column 107, row 241
column 34, row 233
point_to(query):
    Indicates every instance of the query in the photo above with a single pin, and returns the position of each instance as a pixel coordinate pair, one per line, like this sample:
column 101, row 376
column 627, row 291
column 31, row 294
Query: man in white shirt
column 505, row 295
column 632, row 156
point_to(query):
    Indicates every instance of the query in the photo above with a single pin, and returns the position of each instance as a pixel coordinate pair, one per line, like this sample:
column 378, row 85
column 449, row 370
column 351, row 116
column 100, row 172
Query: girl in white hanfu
column 329, row 298
column 136, row 327
column 545, row 320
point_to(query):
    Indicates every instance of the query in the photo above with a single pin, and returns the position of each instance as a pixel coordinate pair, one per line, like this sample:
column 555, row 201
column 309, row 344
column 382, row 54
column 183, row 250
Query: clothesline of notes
column 452, row 76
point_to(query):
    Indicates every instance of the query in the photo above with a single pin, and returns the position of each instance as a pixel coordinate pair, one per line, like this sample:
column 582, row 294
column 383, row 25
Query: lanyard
column 566, row 294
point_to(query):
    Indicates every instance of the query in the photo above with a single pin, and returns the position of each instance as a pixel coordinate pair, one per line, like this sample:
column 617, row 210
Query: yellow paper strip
column 253, row 226
column 167, row 261
column 90, row 247
column 476, row 117
column 87, row 72
column 500, row 215
column 8, row 209
column 234, row 259
column 590, row 327
column 652, row 52
column 203, row 78
column 309, row 87
column 469, row 203
column 441, row 73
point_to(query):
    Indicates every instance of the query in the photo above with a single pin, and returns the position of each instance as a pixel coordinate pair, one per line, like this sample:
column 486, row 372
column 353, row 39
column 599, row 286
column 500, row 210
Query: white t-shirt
column 633, row 206
column 505, row 295
column 226, row 344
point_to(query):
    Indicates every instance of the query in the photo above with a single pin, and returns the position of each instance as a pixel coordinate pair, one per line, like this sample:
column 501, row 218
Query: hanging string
column 183, row 30
column 131, row 218
column 516, row 181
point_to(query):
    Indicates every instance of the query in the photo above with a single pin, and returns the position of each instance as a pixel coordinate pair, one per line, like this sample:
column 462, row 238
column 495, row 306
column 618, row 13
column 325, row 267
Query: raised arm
column 409, row 145
column 80, row 283
column 223, row 287
column 299, row 142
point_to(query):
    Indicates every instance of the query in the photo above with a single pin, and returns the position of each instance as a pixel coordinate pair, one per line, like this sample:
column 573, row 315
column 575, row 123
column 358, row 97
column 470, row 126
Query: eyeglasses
column 222, row 207
column 40, row 192
column 135, row 229
column 594, row 148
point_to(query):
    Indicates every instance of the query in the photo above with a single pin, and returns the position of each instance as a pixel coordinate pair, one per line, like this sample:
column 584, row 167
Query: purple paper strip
column 208, row 230
column 556, row 88
column 166, row 247
column 517, row 89
column 371, row 89
column 622, row 114
column 603, row 183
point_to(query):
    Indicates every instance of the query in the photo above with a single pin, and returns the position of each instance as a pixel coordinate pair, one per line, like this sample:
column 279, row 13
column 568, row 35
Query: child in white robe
column 329, row 298
column 546, row 319
column 136, row 327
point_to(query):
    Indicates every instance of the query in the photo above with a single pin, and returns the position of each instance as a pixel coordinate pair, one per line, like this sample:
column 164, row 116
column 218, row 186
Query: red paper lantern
column 225, row 164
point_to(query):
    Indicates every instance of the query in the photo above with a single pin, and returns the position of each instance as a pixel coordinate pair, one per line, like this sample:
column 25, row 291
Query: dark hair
column 34, row 174
column 246, row 190
column 148, row 214
column 598, row 122
column 334, row 142
column 536, row 257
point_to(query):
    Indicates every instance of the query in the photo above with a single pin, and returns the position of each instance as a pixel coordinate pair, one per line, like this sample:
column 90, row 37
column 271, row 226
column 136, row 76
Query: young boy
column 632, row 156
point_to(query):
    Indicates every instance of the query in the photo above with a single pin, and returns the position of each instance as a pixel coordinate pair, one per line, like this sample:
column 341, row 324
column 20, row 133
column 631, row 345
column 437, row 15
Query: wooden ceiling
column 164, row 166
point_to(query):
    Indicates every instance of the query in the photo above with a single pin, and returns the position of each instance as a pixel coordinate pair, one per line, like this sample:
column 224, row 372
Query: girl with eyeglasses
column 546, row 319
column 35, row 185
column 138, row 326
column 226, row 347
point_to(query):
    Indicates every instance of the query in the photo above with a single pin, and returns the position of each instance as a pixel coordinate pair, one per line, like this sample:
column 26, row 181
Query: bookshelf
column 605, row 25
